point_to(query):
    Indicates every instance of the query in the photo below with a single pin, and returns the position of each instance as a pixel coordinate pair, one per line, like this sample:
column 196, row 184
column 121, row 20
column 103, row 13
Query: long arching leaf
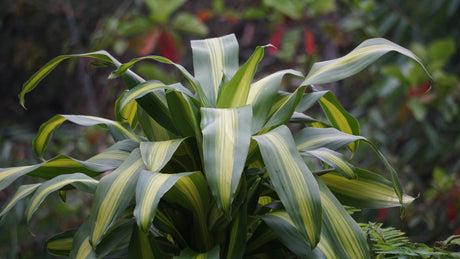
column 118, row 130
column 22, row 192
column 293, row 182
column 335, row 160
column 78, row 180
column 368, row 190
column 226, row 138
column 355, row 61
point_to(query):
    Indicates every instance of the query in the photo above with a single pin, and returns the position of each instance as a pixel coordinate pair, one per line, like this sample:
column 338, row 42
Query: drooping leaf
column 128, row 114
column 140, row 91
column 118, row 130
column 293, row 182
column 151, row 186
column 114, row 192
column 81, row 247
column 309, row 99
column 362, row 56
column 368, row 190
column 78, row 180
column 22, row 192
column 235, row 92
column 214, row 60
column 61, row 244
column 341, row 236
column 261, row 95
column 9, row 175
column 226, row 138
column 285, row 230
column 335, row 160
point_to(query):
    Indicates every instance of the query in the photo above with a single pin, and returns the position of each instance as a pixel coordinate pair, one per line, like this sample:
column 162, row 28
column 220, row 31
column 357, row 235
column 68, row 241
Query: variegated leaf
column 293, row 182
column 22, row 192
column 226, row 138
column 335, row 160
column 355, row 61
column 114, row 192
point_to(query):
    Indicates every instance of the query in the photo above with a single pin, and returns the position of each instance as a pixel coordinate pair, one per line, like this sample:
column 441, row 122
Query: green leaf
column 61, row 244
column 116, row 238
column 161, row 10
column 362, row 56
column 283, row 227
column 308, row 100
column 118, row 130
column 48, row 67
column 341, row 236
column 238, row 233
column 139, row 91
column 143, row 246
column 22, row 192
column 262, row 94
column 284, row 109
column 368, row 190
column 78, row 180
column 214, row 60
column 128, row 114
column 9, row 175
column 81, row 247
column 190, row 254
column 235, row 92
column 156, row 154
column 339, row 117
column 113, row 194
column 150, row 188
column 152, row 129
column 190, row 23
column 313, row 138
column 226, row 138
column 185, row 114
column 335, row 160
column 293, row 182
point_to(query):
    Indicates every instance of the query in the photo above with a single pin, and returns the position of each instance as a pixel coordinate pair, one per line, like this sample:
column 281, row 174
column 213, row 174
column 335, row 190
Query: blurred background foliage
column 419, row 130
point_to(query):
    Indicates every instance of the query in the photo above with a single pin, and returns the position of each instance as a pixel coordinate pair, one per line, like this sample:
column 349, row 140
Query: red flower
column 168, row 47
column 309, row 40
column 382, row 214
column 419, row 90
column 451, row 212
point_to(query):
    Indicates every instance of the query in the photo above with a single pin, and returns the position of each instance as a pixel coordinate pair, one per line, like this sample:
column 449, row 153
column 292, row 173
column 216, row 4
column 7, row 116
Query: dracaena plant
column 211, row 168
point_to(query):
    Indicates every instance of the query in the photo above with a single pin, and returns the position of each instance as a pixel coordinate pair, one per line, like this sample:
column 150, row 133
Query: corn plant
column 211, row 169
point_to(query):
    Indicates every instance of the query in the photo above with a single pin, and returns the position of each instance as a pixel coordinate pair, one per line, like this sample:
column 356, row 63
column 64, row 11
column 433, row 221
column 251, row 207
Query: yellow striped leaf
column 9, row 175
column 140, row 91
column 235, row 92
column 283, row 110
column 226, row 138
column 22, row 192
column 293, row 182
column 339, row 117
column 335, row 160
column 362, row 56
column 368, row 190
column 151, row 186
column 128, row 114
column 341, row 236
column 185, row 114
column 215, row 61
column 81, row 247
column 78, row 180
column 262, row 94
column 61, row 244
column 118, row 130
column 113, row 194
column 48, row 67
column 157, row 154
column 312, row 138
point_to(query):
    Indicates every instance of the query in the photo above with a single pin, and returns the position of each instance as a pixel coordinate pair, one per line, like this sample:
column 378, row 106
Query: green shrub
column 212, row 168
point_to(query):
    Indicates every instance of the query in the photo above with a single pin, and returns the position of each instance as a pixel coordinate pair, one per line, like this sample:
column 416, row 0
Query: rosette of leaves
column 211, row 169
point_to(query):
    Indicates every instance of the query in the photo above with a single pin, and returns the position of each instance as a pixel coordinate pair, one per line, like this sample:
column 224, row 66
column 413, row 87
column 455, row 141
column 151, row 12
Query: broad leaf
column 78, row 180
column 81, row 247
column 113, row 194
column 156, row 154
column 238, row 233
column 226, row 138
column 128, row 114
column 235, row 92
column 293, row 182
column 150, row 188
column 313, row 138
column 185, row 114
column 214, row 61
column 140, row 91
column 284, row 109
column 355, row 61
column 61, row 244
column 341, row 236
column 368, row 190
